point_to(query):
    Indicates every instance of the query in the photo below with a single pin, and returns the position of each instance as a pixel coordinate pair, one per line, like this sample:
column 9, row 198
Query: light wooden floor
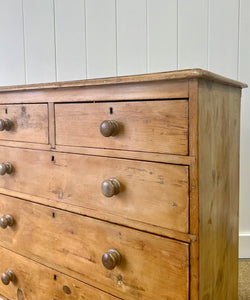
column 244, row 279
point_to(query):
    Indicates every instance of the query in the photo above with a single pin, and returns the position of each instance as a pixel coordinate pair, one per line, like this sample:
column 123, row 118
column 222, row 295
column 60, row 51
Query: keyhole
column 111, row 110
column 52, row 158
column 6, row 111
column 53, row 215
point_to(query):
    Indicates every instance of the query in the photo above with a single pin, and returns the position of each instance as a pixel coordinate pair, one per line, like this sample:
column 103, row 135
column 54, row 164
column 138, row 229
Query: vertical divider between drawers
column 52, row 135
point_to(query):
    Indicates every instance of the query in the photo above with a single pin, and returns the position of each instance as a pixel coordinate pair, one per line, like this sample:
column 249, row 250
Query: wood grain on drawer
column 74, row 244
column 29, row 123
column 151, row 126
column 37, row 282
column 152, row 193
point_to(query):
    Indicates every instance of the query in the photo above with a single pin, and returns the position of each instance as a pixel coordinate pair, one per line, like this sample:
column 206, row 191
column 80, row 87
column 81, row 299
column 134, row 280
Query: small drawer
column 34, row 281
column 122, row 261
column 150, row 126
column 152, row 193
column 28, row 123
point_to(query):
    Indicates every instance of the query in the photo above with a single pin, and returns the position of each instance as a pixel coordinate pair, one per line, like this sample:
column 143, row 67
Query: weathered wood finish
column 149, row 126
column 52, row 134
column 144, row 78
column 219, row 133
column 35, row 281
column 30, row 123
column 194, row 188
column 175, row 220
column 127, row 91
column 77, row 179
column 122, row 220
column 74, row 245
column 137, row 155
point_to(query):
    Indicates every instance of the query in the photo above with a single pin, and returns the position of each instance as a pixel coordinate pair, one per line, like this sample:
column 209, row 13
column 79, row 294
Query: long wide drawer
column 34, row 281
column 151, row 126
column 152, row 193
column 151, row 267
column 29, row 123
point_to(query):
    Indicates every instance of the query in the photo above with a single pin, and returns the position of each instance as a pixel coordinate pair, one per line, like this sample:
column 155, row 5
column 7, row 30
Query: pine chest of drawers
column 120, row 188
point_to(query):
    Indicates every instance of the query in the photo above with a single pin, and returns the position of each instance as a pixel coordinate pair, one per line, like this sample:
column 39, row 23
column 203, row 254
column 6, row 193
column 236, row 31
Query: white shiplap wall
column 244, row 75
column 58, row 40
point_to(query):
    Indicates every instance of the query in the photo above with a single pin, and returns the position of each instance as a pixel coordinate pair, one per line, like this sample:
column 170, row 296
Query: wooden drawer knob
column 111, row 259
column 6, row 221
column 109, row 128
column 110, row 187
column 5, row 168
column 5, row 124
column 7, row 277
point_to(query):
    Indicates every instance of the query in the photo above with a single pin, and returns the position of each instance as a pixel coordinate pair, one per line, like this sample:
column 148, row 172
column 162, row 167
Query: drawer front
column 152, row 193
column 34, row 281
column 150, row 265
column 151, row 126
column 29, row 123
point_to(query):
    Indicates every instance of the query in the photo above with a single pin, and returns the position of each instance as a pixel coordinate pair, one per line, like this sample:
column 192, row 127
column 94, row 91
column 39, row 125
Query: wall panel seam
column 208, row 34
column 85, row 37
column 238, row 48
column 24, row 50
column 55, row 46
column 177, row 37
column 147, row 38
column 116, row 47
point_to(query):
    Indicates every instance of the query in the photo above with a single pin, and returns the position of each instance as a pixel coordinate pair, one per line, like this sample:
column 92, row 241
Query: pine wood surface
column 75, row 244
column 130, row 91
column 194, row 188
column 29, row 123
column 76, row 180
column 143, row 125
column 122, row 220
column 52, row 134
column 178, row 204
column 219, row 133
column 135, row 155
column 36, row 282
column 166, row 76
